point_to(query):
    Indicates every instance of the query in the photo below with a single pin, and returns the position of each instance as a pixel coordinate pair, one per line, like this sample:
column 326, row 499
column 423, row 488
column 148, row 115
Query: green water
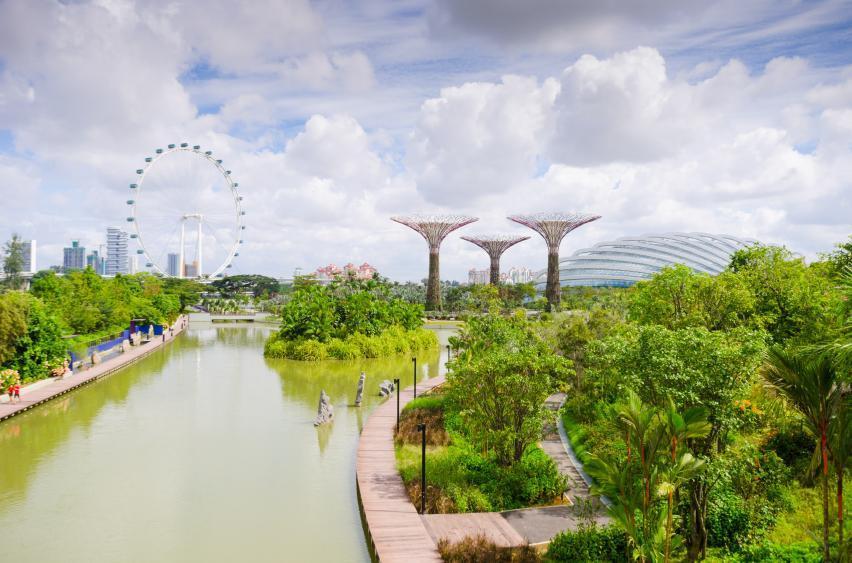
column 203, row 451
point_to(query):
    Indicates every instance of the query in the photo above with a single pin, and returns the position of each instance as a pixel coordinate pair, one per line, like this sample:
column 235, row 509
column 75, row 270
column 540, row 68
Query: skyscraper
column 116, row 258
column 96, row 262
column 29, row 252
column 74, row 256
column 174, row 265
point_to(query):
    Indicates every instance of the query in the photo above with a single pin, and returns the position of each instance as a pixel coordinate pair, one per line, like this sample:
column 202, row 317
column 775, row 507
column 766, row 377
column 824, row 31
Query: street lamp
column 422, row 428
column 396, row 386
column 415, row 376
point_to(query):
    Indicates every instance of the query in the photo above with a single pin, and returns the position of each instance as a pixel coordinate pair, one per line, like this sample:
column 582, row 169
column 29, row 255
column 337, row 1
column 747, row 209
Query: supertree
column 434, row 228
column 553, row 227
column 495, row 246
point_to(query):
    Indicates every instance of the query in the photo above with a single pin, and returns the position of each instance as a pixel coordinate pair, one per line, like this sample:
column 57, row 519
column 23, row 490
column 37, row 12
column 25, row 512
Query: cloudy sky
column 725, row 117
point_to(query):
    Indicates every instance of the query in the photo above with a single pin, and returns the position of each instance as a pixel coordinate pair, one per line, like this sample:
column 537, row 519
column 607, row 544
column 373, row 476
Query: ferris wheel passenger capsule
column 139, row 171
column 236, row 184
column 131, row 201
column 236, row 253
column 196, row 147
column 130, row 219
column 208, row 153
column 134, row 235
column 149, row 265
column 148, row 159
column 133, row 186
column 171, row 146
column 159, row 151
column 184, row 145
column 140, row 251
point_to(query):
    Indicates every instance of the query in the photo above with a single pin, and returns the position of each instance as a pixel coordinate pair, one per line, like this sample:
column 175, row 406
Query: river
column 202, row 451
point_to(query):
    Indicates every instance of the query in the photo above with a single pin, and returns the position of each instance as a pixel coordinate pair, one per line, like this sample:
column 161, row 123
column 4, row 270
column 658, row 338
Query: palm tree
column 811, row 385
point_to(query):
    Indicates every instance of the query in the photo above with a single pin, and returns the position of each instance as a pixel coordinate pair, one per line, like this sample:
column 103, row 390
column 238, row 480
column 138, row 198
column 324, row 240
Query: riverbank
column 43, row 391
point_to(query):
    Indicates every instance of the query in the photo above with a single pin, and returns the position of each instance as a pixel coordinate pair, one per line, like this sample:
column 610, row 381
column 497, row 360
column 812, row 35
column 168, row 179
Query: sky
column 724, row 117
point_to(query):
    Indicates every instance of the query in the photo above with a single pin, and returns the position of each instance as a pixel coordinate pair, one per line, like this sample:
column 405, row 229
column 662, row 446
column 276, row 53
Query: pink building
column 363, row 272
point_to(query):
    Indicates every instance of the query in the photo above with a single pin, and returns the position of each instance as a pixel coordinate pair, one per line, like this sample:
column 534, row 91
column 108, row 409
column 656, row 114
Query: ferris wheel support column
column 199, row 248
column 181, row 268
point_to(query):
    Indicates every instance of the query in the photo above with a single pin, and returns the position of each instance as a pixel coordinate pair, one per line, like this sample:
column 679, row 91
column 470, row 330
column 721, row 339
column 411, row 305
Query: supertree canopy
column 434, row 228
column 495, row 246
column 553, row 226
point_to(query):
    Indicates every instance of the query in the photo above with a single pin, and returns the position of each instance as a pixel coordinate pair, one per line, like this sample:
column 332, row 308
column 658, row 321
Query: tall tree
column 811, row 385
column 13, row 262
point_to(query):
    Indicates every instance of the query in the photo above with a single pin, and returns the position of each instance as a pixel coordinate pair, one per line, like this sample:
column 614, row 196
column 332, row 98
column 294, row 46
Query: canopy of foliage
column 259, row 286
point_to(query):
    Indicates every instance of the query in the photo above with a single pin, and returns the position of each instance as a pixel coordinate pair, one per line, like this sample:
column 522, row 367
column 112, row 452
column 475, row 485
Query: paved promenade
column 43, row 391
column 398, row 533
column 395, row 530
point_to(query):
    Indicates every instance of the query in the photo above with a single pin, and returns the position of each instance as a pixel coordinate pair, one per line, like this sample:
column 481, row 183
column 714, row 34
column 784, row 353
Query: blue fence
column 113, row 341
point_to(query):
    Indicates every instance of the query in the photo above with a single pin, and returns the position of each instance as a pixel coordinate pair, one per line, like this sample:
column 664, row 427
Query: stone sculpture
column 360, row 394
column 325, row 412
column 386, row 387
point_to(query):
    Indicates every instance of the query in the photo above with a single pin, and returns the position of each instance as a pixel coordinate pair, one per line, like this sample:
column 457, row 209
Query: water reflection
column 204, row 446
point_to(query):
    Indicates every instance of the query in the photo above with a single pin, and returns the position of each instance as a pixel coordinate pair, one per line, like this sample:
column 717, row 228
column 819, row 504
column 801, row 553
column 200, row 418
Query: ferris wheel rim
column 239, row 213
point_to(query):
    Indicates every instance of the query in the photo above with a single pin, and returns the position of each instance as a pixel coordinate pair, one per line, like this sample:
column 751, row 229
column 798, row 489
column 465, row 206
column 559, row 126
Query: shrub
column 589, row 543
column 795, row 447
column 479, row 548
column 767, row 552
column 728, row 522
column 342, row 349
column 309, row 350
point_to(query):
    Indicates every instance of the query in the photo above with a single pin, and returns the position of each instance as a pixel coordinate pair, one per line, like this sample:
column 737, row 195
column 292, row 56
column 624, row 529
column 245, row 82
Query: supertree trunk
column 494, row 278
column 553, row 291
column 433, row 285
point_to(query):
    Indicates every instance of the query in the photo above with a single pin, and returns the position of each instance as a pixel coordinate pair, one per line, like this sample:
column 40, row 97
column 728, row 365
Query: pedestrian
column 15, row 390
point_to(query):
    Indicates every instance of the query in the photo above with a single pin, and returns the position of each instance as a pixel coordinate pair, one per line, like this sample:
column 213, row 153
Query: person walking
column 15, row 390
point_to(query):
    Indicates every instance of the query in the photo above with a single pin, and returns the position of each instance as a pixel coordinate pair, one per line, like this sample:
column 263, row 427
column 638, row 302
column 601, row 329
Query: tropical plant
column 655, row 468
column 811, row 384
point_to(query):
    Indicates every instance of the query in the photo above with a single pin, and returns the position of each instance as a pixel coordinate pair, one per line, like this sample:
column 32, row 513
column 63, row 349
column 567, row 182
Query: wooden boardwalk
column 41, row 393
column 395, row 530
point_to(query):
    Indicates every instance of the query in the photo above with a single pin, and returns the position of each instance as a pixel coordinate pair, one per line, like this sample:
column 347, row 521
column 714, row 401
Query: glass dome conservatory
column 627, row 260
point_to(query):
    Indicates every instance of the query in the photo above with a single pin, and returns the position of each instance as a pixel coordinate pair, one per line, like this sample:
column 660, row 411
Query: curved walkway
column 395, row 530
column 45, row 390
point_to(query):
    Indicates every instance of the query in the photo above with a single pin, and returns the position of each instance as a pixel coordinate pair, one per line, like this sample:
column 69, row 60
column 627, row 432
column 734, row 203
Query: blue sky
column 724, row 117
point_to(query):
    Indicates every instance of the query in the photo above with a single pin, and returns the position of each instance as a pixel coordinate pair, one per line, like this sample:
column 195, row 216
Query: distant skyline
column 722, row 117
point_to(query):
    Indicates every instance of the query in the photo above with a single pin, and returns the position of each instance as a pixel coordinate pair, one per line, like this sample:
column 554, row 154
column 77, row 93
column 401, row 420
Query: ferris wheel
column 186, row 213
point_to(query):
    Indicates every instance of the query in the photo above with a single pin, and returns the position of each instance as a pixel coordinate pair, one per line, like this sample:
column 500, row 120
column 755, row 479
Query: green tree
column 677, row 297
column 40, row 347
column 795, row 302
column 694, row 367
column 840, row 259
column 13, row 324
column 811, row 385
column 13, row 262
column 499, row 381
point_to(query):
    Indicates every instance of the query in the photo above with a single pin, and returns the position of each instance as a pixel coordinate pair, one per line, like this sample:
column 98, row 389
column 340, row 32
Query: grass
column 479, row 548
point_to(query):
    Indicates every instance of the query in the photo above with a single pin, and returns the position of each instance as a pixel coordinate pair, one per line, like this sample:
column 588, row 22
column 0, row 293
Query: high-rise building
column 191, row 270
column 29, row 255
column 174, row 265
column 520, row 275
column 116, row 258
column 96, row 262
column 133, row 264
column 74, row 257
column 475, row 276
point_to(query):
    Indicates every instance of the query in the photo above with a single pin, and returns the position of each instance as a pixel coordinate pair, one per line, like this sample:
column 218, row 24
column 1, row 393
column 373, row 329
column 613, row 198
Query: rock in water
column 360, row 395
column 325, row 412
column 385, row 388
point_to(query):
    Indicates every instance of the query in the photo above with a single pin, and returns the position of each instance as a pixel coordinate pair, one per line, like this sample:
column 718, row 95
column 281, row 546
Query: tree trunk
column 495, row 270
column 825, row 523
column 697, row 515
column 669, row 529
column 433, row 285
column 840, row 509
column 553, row 291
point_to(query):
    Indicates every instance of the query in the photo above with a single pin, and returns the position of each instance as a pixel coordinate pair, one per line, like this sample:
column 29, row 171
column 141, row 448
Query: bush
column 728, row 523
column 589, row 543
column 767, row 552
column 354, row 346
column 479, row 548
column 795, row 447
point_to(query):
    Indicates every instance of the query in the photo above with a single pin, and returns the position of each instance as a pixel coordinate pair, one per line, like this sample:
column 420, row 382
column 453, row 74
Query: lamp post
column 449, row 353
column 422, row 428
column 415, row 376
column 396, row 385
